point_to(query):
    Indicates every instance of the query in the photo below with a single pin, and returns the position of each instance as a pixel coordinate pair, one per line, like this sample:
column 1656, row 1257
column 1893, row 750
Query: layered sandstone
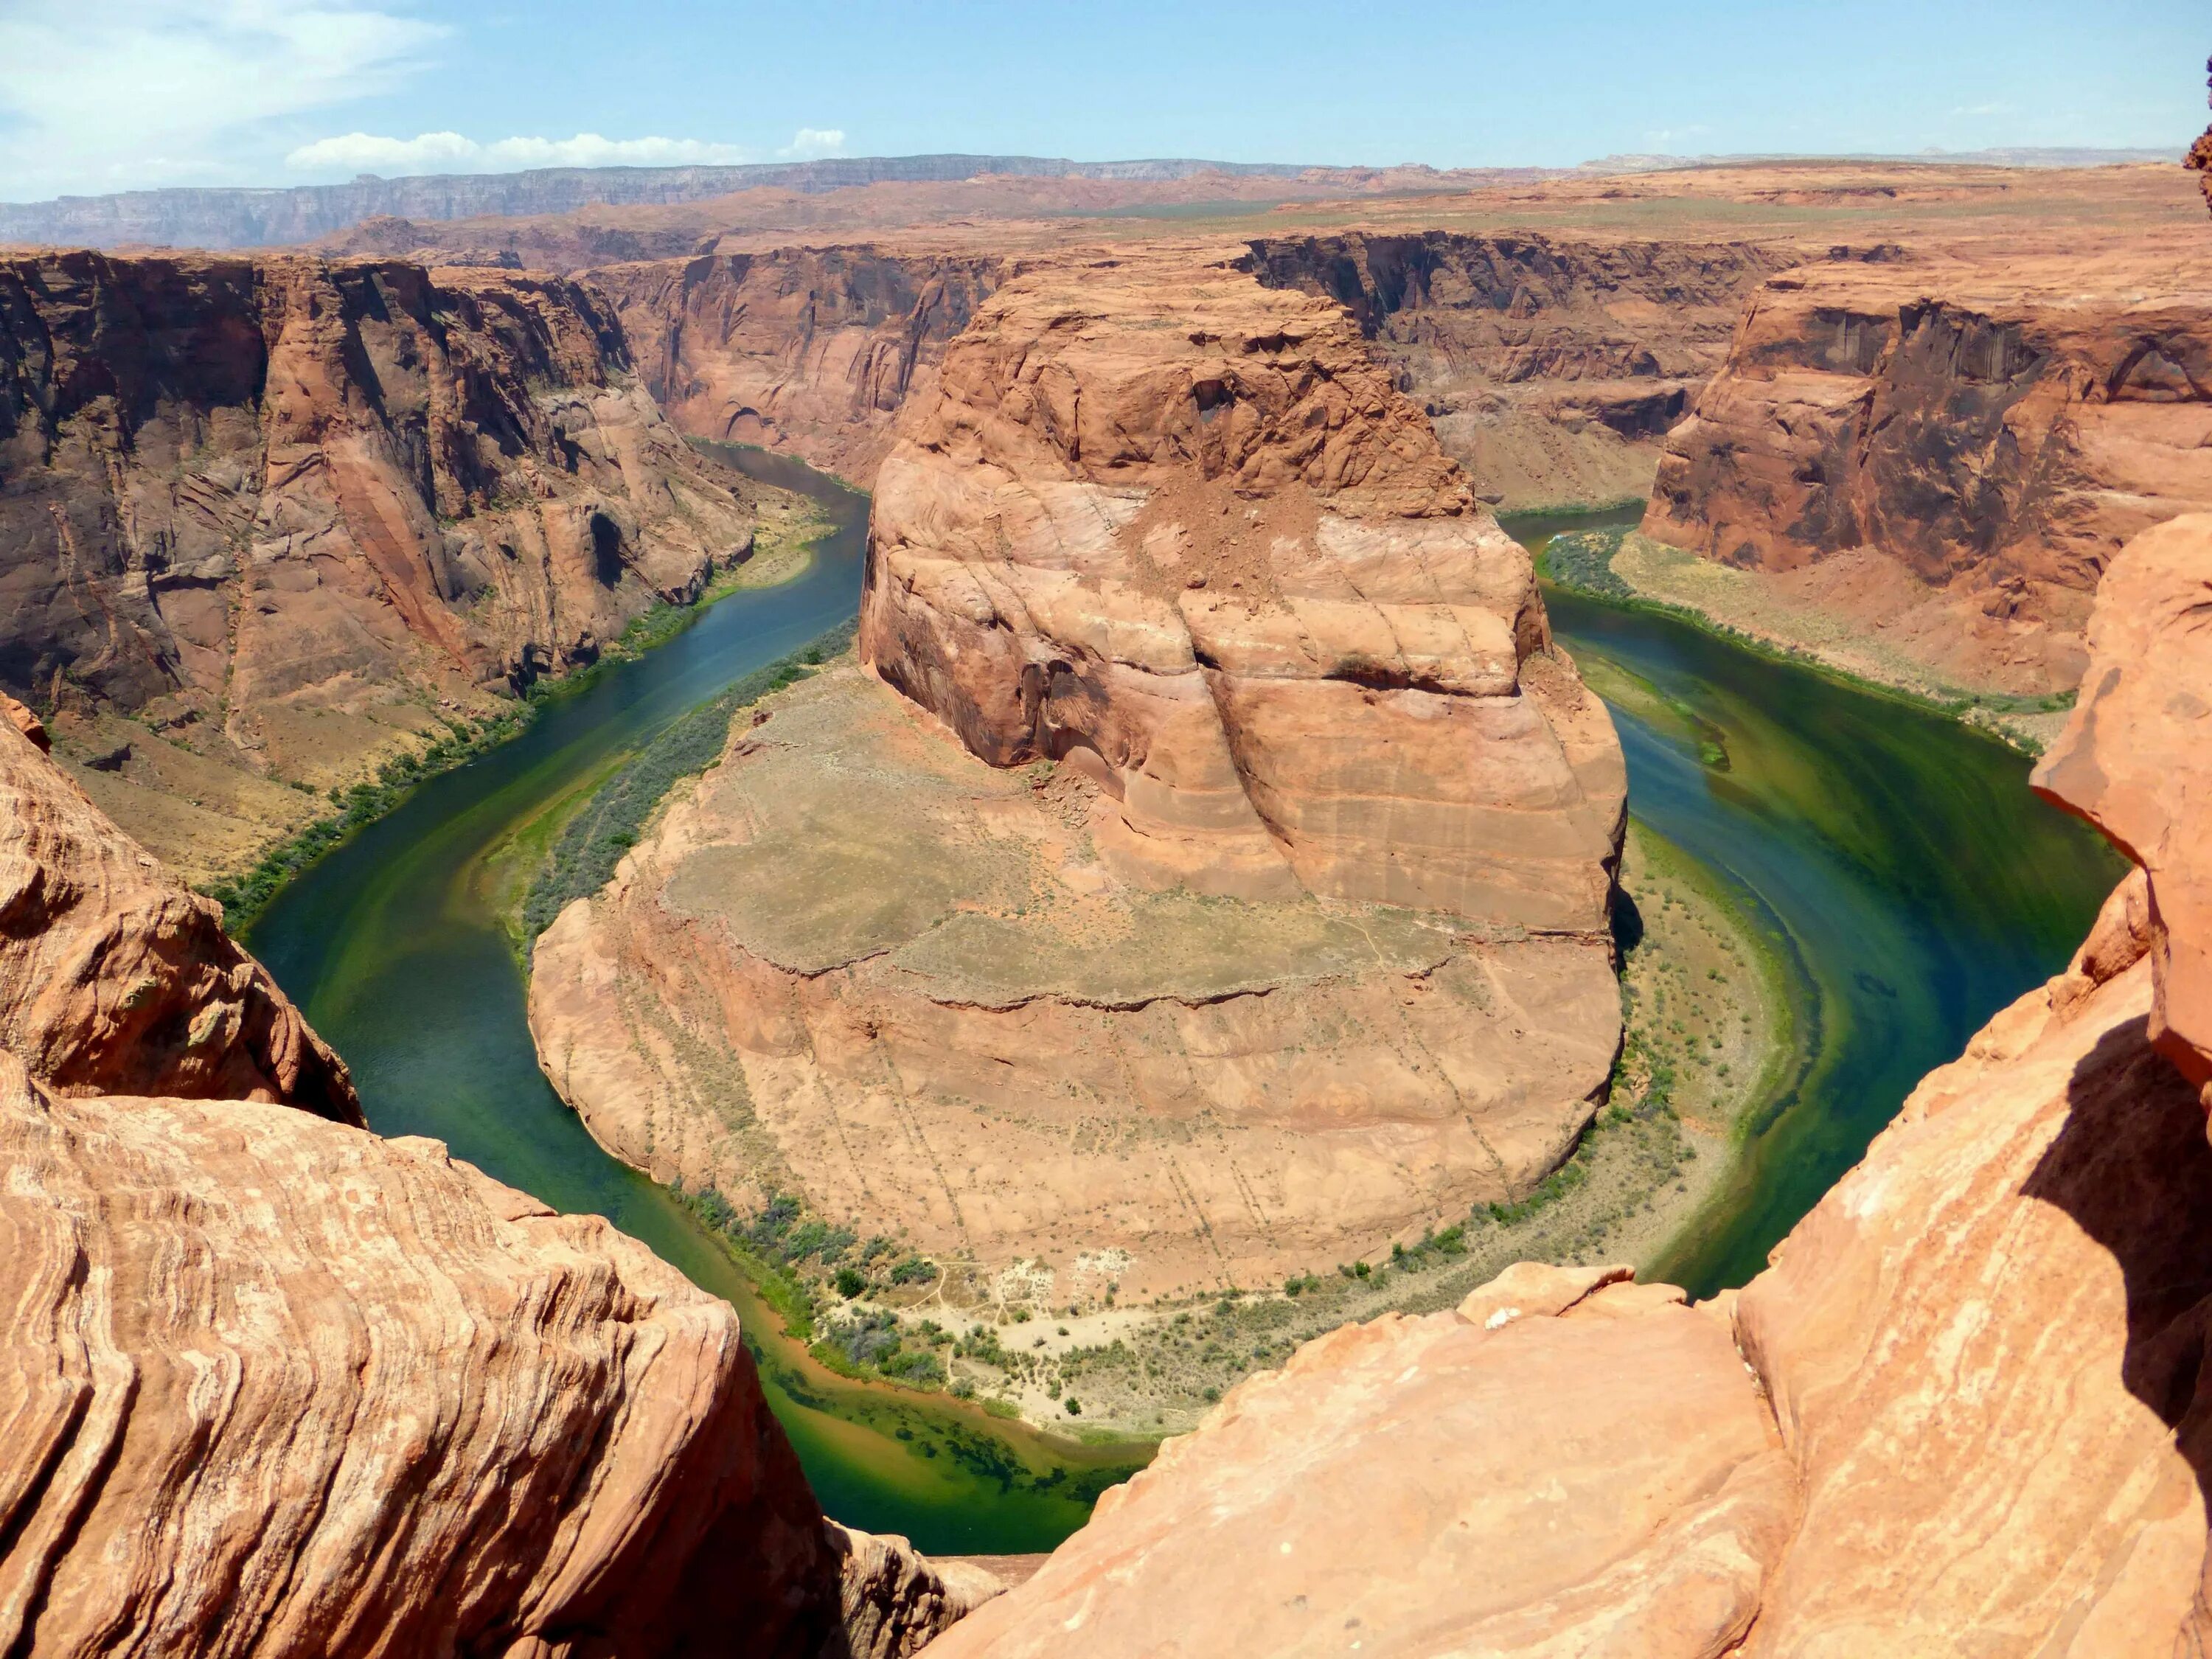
column 1182, row 532
column 1962, row 1413
column 274, row 510
column 1983, row 433
column 114, row 979
column 1553, row 365
column 273, row 1385
column 279, row 1386
column 1227, row 894
column 808, row 349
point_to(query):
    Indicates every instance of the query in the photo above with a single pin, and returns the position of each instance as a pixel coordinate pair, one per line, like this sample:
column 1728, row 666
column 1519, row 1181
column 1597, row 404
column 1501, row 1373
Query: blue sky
column 108, row 95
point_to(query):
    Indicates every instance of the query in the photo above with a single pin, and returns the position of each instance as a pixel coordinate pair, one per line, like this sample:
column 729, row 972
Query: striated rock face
column 1997, row 430
column 1181, row 532
column 1962, row 1413
column 2134, row 761
column 1225, row 896
column 809, row 350
column 239, row 485
column 279, row 1387
column 114, row 979
column 272, row 1385
column 1552, row 367
column 1564, row 1465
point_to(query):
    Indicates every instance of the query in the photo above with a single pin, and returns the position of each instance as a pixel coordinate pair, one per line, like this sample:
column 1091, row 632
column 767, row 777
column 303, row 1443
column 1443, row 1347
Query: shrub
column 850, row 1284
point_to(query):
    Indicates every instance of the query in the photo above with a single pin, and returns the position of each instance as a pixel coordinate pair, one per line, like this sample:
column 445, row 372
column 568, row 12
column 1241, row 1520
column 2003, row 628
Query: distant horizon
column 143, row 94
column 2059, row 155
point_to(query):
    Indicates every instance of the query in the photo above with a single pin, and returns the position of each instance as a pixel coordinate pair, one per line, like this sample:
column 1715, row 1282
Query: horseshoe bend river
column 1894, row 860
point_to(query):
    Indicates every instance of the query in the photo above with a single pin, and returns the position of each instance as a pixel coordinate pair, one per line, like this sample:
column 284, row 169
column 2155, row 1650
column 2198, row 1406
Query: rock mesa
column 1961, row 1412
column 1229, row 720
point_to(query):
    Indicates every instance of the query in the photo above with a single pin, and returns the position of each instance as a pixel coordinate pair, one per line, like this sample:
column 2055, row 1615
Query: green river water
column 1897, row 861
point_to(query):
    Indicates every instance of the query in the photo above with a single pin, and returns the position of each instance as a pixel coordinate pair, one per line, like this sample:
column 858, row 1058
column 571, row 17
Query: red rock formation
column 2000, row 429
column 1233, row 721
column 809, row 350
column 1564, row 1465
column 1183, row 531
column 1552, row 366
column 1974, row 1416
column 236, row 482
column 114, row 979
column 2135, row 762
column 272, row 1385
column 275, row 1386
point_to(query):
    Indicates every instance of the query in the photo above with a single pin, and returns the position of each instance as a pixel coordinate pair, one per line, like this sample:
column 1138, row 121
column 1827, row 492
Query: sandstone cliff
column 1962, row 1413
column 275, row 1386
column 1982, row 434
column 113, row 979
column 1226, row 897
column 809, row 350
column 1552, row 366
column 273, row 510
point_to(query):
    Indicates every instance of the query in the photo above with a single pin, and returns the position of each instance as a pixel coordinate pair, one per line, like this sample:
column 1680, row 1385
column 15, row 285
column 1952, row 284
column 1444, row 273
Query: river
column 1895, row 861
column 392, row 947
column 1895, row 858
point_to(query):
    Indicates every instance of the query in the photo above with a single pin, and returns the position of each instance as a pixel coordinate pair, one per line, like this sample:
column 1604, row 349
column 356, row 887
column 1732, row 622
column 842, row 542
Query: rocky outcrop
column 273, row 1385
column 1181, row 532
column 1552, row 366
column 1997, row 430
column 114, row 979
column 235, row 483
column 1968, row 1414
column 279, row 1387
column 2134, row 761
column 809, row 350
column 1230, row 721
column 1565, row 1464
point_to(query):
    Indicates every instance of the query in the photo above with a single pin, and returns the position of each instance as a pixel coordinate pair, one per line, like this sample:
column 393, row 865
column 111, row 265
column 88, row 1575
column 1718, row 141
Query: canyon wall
column 1226, row 895
column 809, row 350
column 274, row 1385
column 1552, row 366
column 114, row 979
column 1963, row 1411
column 274, row 511
column 1988, row 434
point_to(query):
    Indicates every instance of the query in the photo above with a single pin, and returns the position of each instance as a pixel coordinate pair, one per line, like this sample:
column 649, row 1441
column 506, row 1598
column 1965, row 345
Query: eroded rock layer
column 273, row 1386
column 1552, row 366
column 809, row 350
column 278, row 1387
column 1996, row 431
column 1181, row 532
column 114, row 979
column 239, row 485
column 1227, row 894
column 1967, row 1413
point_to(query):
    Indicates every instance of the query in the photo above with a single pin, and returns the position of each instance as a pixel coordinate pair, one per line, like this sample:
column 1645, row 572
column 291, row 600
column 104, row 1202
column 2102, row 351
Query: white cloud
column 449, row 152
column 809, row 143
column 124, row 93
column 1983, row 109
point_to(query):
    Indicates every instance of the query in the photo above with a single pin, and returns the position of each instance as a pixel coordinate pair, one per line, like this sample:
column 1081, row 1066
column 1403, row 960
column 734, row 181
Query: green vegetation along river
column 1894, row 858
column 392, row 945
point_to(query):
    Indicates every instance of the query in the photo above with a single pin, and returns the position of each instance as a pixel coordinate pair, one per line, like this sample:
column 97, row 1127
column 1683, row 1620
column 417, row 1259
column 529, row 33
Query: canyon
column 276, row 1385
column 2008, row 1285
column 1954, row 447
column 270, row 521
column 1156, row 530
column 1202, row 874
